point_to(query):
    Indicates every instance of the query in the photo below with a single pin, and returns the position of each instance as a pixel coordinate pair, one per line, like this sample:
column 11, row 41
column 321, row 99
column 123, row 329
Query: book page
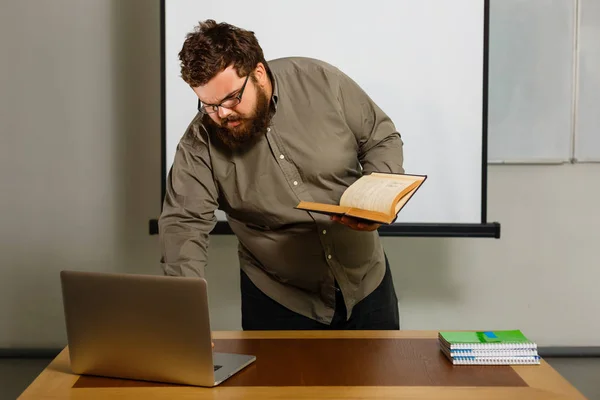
column 374, row 193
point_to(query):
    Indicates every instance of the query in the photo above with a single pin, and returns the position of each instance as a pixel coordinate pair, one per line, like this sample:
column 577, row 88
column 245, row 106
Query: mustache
column 230, row 119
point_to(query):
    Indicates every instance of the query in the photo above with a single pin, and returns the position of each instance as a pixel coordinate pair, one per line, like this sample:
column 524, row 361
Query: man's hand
column 355, row 223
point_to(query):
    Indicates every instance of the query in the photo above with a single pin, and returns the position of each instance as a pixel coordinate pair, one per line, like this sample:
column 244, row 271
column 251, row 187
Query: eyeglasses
column 226, row 103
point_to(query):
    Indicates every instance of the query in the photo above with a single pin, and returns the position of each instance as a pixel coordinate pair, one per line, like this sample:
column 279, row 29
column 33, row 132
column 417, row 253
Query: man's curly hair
column 213, row 46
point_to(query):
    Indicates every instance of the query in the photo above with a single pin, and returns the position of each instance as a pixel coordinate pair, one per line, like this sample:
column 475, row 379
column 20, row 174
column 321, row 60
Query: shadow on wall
column 86, row 163
column 137, row 142
column 85, row 200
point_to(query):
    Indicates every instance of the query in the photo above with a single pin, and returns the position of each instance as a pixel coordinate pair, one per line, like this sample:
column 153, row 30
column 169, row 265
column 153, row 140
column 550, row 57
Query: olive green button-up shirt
column 324, row 134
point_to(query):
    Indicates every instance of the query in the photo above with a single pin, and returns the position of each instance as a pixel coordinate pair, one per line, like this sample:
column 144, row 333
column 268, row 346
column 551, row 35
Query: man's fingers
column 355, row 223
column 351, row 222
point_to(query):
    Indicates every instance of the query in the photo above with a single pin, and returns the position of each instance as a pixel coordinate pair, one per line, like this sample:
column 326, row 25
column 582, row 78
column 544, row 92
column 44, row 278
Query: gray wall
column 80, row 129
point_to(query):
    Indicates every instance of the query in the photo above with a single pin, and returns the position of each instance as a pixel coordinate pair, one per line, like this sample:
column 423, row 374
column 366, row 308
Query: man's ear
column 260, row 72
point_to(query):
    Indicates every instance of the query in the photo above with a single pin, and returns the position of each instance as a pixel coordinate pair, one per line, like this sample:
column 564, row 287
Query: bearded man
column 268, row 135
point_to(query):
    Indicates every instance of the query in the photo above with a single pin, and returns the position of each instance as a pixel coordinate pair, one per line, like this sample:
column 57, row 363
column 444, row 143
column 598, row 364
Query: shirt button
column 295, row 183
column 268, row 129
column 329, row 256
column 324, row 231
column 282, row 156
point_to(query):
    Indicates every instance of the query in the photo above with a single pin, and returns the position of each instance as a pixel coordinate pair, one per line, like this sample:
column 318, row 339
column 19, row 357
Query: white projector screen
column 423, row 62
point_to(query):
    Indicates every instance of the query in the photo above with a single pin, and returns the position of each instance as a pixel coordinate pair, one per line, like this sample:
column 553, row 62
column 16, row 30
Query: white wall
column 80, row 129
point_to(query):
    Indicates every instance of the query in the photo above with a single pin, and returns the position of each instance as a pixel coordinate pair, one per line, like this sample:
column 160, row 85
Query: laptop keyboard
column 217, row 367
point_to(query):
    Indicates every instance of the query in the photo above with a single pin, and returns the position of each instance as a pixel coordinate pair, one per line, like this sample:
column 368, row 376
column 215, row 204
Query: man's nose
column 224, row 112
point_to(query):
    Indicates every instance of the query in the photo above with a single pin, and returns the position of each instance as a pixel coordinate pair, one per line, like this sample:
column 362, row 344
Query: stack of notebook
column 488, row 348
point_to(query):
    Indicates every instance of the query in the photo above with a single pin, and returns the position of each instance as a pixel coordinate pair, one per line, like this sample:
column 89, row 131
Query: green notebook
column 505, row 339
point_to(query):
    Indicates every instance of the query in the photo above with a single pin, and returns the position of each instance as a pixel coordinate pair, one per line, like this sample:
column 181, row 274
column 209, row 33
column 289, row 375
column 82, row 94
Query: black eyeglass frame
column 232, row 101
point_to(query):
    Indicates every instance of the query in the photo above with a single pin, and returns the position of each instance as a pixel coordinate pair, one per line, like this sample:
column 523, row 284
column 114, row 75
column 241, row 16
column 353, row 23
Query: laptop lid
column 141, row 327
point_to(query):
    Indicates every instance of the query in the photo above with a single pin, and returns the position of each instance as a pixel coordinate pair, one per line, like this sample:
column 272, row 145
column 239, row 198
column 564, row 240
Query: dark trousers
column 377, row 311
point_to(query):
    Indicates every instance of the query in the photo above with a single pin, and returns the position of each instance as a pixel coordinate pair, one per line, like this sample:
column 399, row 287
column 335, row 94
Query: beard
column 244, row 135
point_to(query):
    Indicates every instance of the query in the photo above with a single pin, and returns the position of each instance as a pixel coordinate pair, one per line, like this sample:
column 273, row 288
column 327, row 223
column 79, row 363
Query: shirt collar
column 275, row 95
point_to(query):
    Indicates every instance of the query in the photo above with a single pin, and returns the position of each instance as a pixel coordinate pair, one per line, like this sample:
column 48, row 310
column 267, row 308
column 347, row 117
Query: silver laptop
column 143, row 327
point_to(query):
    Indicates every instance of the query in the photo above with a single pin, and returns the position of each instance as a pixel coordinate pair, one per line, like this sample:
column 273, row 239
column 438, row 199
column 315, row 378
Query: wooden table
column 326, row 365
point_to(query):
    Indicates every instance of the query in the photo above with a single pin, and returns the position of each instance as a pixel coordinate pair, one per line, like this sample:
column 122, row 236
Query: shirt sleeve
column 380, row 147
column 188, row 214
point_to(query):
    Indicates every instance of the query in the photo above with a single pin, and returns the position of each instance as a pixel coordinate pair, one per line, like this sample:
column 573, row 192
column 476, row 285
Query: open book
column 377, row 197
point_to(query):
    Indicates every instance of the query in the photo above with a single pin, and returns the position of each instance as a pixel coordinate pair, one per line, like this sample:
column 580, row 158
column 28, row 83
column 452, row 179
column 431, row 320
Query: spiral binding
column 495, row 360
